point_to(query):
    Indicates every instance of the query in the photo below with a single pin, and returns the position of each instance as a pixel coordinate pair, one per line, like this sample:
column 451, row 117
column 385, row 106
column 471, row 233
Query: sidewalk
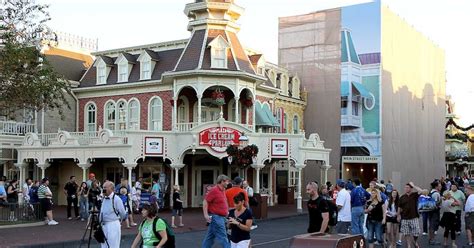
column 72, row 230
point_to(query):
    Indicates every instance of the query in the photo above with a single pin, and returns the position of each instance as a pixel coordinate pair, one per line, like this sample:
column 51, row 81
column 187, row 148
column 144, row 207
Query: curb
column 40, row 223
column 75, row 243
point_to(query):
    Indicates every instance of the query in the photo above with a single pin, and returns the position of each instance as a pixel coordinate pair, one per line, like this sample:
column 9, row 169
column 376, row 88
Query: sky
column 121, row 23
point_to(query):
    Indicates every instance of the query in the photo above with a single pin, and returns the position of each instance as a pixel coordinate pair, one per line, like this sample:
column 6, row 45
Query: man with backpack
column 111, row 213
column 343, row 202
column 433, row 215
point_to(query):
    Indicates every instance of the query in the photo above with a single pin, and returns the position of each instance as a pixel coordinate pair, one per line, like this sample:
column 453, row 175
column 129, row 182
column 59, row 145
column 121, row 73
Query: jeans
column 84, row 207
column 425, row 221
column 357, row 223
column 71, row 201
column 458, row 220
column 216, row 230
column 374, row 227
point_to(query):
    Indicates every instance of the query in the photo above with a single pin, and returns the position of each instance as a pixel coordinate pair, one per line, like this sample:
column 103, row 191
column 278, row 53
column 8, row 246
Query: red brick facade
column 143, row 98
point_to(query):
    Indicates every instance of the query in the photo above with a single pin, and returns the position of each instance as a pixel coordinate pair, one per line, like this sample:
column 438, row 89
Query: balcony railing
column 350, row 121
column 83, row 138
column 16, row 128
column 184, row 127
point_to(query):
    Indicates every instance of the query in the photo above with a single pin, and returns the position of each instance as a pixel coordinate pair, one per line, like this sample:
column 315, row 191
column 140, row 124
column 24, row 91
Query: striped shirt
column 42, row 191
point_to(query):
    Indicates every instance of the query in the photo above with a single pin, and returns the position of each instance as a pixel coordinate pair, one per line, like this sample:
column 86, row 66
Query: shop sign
column 360, row 159
column 279, row 147
column 218, row 138
column 153, row 145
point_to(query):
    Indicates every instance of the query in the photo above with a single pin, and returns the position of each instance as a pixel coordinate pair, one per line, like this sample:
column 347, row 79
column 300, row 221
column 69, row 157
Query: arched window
column 91, row 118
column 295, row 125
column 155, row 114
column 110, row 116
column 122, row 115
column 285, row 123
column 134, row 115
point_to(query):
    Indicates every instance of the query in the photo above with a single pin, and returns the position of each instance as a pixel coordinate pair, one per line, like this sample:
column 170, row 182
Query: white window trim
column 149, row 114
column 105, row 121
column 128, row 113
column 219, row 43
column 101, row 65
column 86, row 116
column 186, row 109
column 372, row 97
column 142, row 77
column 117, row 112
column 297, row 124
column 121, row 66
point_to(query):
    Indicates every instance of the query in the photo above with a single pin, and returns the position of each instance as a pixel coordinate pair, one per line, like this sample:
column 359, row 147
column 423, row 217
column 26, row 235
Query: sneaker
column 424, row 234
column 134, row 224
column 436, row 233
column 173, row 226
column 78, row 217
column 399, row 243
column 82, row 219
column 253, row 227
column 458, row 233
column 69, row 218
column 52, row 223
column 181, row 225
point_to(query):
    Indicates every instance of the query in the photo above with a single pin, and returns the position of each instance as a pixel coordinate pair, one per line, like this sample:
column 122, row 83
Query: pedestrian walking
column 111, row 213
column 70, row 190
column 152, row 230
column 155, row 193
column 392, row 222
column 83, row 201
column 469, row 211
column 45, row 197
column 177, row 207
column 318, row 210
column 12, row 198
column 240, row 223
column 215, row 210
column 236, row 189
column 343, row 203
column 434, row 215
column 376, row 217
column 324, row 193
column 459, row 196
column 253, row 203
column 123, row 194
column 449, row 219
column 408, row 214
column 424, row 214
column 94, row 193
column 359, row 197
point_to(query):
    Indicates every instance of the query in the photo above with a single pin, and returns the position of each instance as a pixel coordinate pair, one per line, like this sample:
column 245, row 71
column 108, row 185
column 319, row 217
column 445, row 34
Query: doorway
column 366, row 172
column 204, row 178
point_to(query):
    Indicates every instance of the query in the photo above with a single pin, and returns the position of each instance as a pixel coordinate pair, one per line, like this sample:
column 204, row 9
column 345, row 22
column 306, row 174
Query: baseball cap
column 341, row 183
column 91, row 175
column 237, row 180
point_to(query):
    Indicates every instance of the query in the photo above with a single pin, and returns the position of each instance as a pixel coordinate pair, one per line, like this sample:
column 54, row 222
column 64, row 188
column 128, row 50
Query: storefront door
column 205, row 178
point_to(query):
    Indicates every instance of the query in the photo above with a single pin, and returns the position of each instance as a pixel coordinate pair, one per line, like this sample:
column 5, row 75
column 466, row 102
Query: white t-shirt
column 469, row 208
column 344, row 199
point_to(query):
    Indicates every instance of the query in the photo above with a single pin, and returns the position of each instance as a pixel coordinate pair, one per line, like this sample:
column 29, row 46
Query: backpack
column 427, row 203
column 33, row 194
column 170, row 243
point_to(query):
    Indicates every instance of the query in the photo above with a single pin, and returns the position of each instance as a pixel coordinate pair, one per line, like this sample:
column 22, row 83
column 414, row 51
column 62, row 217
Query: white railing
column 83, row 138
column 184, row 127
column 47, row 138
column 16, row 128
column 350, row 120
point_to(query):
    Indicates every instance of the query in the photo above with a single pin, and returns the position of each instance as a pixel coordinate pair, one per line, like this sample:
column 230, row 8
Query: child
column 135, row 199
column 126, row 204
column 177, row 207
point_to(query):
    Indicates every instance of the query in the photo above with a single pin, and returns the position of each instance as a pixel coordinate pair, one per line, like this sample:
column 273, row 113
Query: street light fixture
column 243, row 141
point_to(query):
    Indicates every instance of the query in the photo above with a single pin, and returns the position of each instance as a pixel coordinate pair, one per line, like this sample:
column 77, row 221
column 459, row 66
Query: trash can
column 324, row 240
column 260, row 211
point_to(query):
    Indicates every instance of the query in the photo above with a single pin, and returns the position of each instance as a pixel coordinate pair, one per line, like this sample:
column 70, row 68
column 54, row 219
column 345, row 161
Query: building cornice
column 162, row 46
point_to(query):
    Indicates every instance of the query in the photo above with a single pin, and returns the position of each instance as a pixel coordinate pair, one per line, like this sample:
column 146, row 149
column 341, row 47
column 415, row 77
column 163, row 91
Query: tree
column 27, row 80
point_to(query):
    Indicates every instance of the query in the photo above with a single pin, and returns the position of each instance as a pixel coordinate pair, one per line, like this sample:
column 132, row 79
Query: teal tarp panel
column 261, row 118
column 364, row 92
column 270, row 116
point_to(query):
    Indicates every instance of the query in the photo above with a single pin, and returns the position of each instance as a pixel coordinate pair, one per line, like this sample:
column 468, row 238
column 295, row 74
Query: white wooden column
column 175, row 113
column 237, row 117
column 299, row 198
column 199, row 97
column 129, row 168
column 257, row 168
column 324, row 170
column 21, row 167
column 254, row 122
column 43, row 168
column 176, row 168
column 84, row 168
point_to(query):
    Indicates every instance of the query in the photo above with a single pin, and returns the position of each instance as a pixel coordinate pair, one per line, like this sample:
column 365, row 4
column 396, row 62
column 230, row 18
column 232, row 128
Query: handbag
column 99, row 234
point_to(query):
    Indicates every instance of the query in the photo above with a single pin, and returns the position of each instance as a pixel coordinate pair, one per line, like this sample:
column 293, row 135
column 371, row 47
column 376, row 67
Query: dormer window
column 123, row 71
column 148, row 60
column 101, row 75
column 103, row 65
column 219, row 47
column 124, row 62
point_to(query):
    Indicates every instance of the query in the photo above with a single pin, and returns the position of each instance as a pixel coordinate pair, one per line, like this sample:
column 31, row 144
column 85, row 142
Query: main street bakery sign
column 218, row 138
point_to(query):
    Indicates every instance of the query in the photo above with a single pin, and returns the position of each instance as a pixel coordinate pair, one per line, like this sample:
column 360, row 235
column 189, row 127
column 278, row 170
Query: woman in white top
column 448, row 221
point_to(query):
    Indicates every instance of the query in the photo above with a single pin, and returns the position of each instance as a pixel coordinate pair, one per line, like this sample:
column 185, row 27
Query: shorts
column 241, row 244
column 178, row 212
column 410, row 227
column 469, row 219
column 392, row 220
column 46, row 204
column 433, row 220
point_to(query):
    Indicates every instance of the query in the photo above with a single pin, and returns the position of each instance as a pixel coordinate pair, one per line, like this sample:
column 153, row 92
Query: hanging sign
column 153, row 146
column 218, row 138
column 279, row 147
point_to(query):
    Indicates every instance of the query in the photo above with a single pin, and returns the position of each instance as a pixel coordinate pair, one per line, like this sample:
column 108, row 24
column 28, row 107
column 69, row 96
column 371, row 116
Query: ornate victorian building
column 170, row 110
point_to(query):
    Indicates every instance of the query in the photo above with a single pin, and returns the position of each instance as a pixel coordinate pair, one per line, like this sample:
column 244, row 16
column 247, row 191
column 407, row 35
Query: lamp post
column 243, row 141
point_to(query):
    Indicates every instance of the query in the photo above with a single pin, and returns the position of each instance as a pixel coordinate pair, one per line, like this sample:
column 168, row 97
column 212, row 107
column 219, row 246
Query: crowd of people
column 387, row 217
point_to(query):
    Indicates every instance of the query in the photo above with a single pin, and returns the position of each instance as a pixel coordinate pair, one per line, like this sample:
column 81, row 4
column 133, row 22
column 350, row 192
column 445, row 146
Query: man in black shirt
column 318, row 210
column 70, row 190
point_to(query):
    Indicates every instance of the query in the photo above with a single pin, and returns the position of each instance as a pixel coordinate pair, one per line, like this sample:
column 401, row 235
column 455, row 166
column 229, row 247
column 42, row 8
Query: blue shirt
column 119, row 186
column 107, row 212
column 2, row 190
column 359, row 196
column 157, row 188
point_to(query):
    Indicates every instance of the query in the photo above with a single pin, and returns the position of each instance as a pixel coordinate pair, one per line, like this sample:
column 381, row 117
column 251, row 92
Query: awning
column 364, row 92
column 270, row 116
column 345, row 88
column 261, row 118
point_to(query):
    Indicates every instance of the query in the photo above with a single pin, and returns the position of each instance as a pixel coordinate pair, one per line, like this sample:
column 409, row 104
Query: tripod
column 91, row 226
